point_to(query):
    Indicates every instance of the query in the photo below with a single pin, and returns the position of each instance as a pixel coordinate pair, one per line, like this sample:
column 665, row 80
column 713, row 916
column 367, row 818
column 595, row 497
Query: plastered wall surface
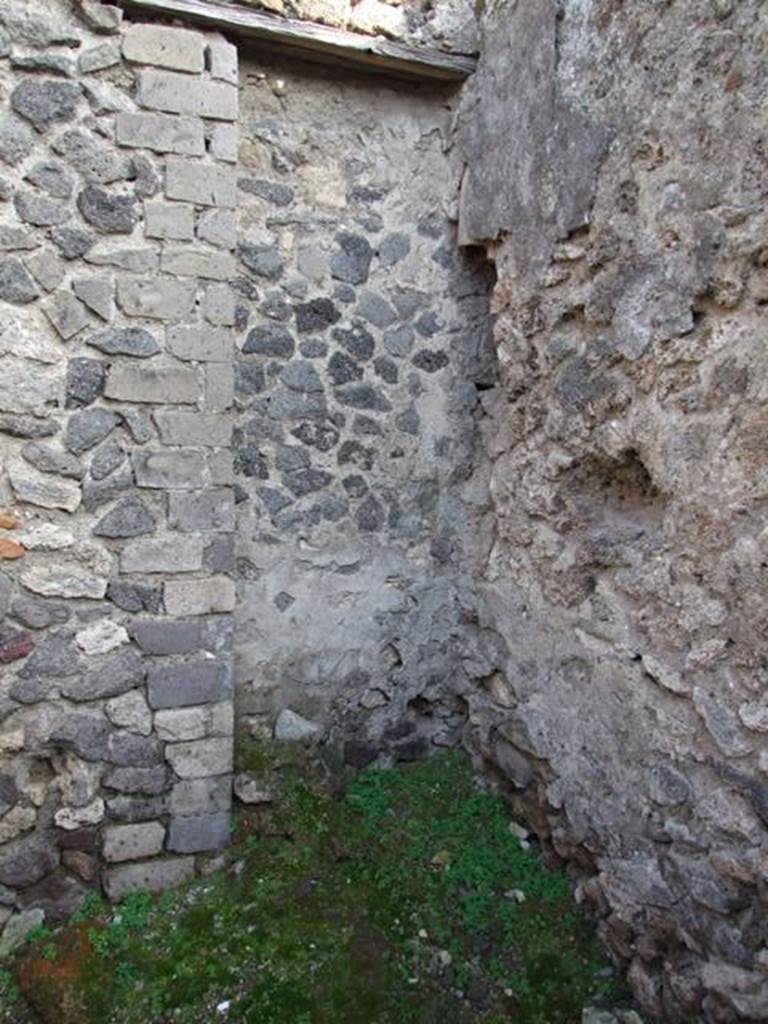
column 626, row 213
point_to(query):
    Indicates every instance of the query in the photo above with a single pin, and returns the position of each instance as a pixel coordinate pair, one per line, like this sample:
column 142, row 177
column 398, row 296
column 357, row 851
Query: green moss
column 385, row 906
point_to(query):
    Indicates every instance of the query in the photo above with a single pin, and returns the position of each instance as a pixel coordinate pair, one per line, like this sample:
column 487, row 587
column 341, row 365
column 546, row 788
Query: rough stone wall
column 445, row 24
column 617, row 172
column 117, row 189
column 360, row 481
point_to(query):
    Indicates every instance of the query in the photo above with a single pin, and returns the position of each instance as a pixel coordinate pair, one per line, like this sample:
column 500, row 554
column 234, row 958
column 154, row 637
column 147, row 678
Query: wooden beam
column 372, row 52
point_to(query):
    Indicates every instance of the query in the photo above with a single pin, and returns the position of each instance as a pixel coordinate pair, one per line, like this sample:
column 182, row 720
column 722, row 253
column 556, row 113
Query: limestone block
column 188, row 683
column 198, row 343
column 199, row 597
column 155, row 298
column 198, row 833
column 172, row 221
column 193, row 428
column 178, row 725
column 167, row 553
column 222, row 60
column 204, row 184
column 219, row 309
column 201, row 796
column 201, row 758
column 162, row 385
column 83, row 573
column 225, row 140
column 219, row 387
column 176, row 93
column 42, row 489
column 132, row 842
column 176, row 48
column 211, row 266
column 169, row 470
column 203, row 510
column 153, row 875
column 163, row 133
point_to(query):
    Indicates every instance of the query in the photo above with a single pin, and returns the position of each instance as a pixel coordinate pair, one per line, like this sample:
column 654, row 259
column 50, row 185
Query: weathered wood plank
column 374, row 52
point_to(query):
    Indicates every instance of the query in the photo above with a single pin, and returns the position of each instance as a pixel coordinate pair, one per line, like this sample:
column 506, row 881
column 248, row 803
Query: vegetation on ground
column 406, row 899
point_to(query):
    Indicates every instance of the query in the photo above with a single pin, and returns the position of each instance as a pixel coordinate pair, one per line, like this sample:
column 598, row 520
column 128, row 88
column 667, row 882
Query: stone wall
column 626, row 211
column 360, row 482
column 444, row 24
column 117, row 183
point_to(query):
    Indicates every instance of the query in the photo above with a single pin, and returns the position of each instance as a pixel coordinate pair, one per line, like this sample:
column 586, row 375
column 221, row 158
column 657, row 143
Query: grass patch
column 384, row 906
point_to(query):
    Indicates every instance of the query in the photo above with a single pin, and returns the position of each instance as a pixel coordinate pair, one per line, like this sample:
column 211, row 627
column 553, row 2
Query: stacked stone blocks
column 117, row 184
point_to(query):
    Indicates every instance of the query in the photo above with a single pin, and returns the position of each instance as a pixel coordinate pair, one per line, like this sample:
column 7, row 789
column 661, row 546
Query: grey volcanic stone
column 54, row 656
column 86, row 428
column 101, row 492
column 27, row 426
column 26, row 861
column 147, row 781
column 386, row 368
column 262, row 260
column 393, row 248
column 357, row 340
column 85, row 733
column 46, row 268
column 293, row 728
column 430, row 361
column 129, row 518
column 16, row 286
column 199, row 832
column 48, row 459
column 45, row 102
column 342, row 369
column 106, row 460
column 188, row 684
column 135, row 597
column 249, row 379
column 362, row 396
column 125, row 341
column 67, row 313
column 72, row 243
column 376, row 309
column 272, row 192
column 429, row 324
column 270, row 340
column 96, row 293
column 301, row 376
column 128, row 750
column 16, row 140
column 313, row 348
column 370, row 515
column 40, row 210
column 108, row 677
column 95, row 161
column 352, row 262
column 161, row 637
column 306, row 481
column 323, row 436
column 109, row 213
column 316, row 315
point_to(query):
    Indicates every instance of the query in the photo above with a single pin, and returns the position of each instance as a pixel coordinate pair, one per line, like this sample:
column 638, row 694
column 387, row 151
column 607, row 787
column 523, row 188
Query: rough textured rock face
column 363, row 338
column 116, row 377
column 447, row 24
column 626, row 212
